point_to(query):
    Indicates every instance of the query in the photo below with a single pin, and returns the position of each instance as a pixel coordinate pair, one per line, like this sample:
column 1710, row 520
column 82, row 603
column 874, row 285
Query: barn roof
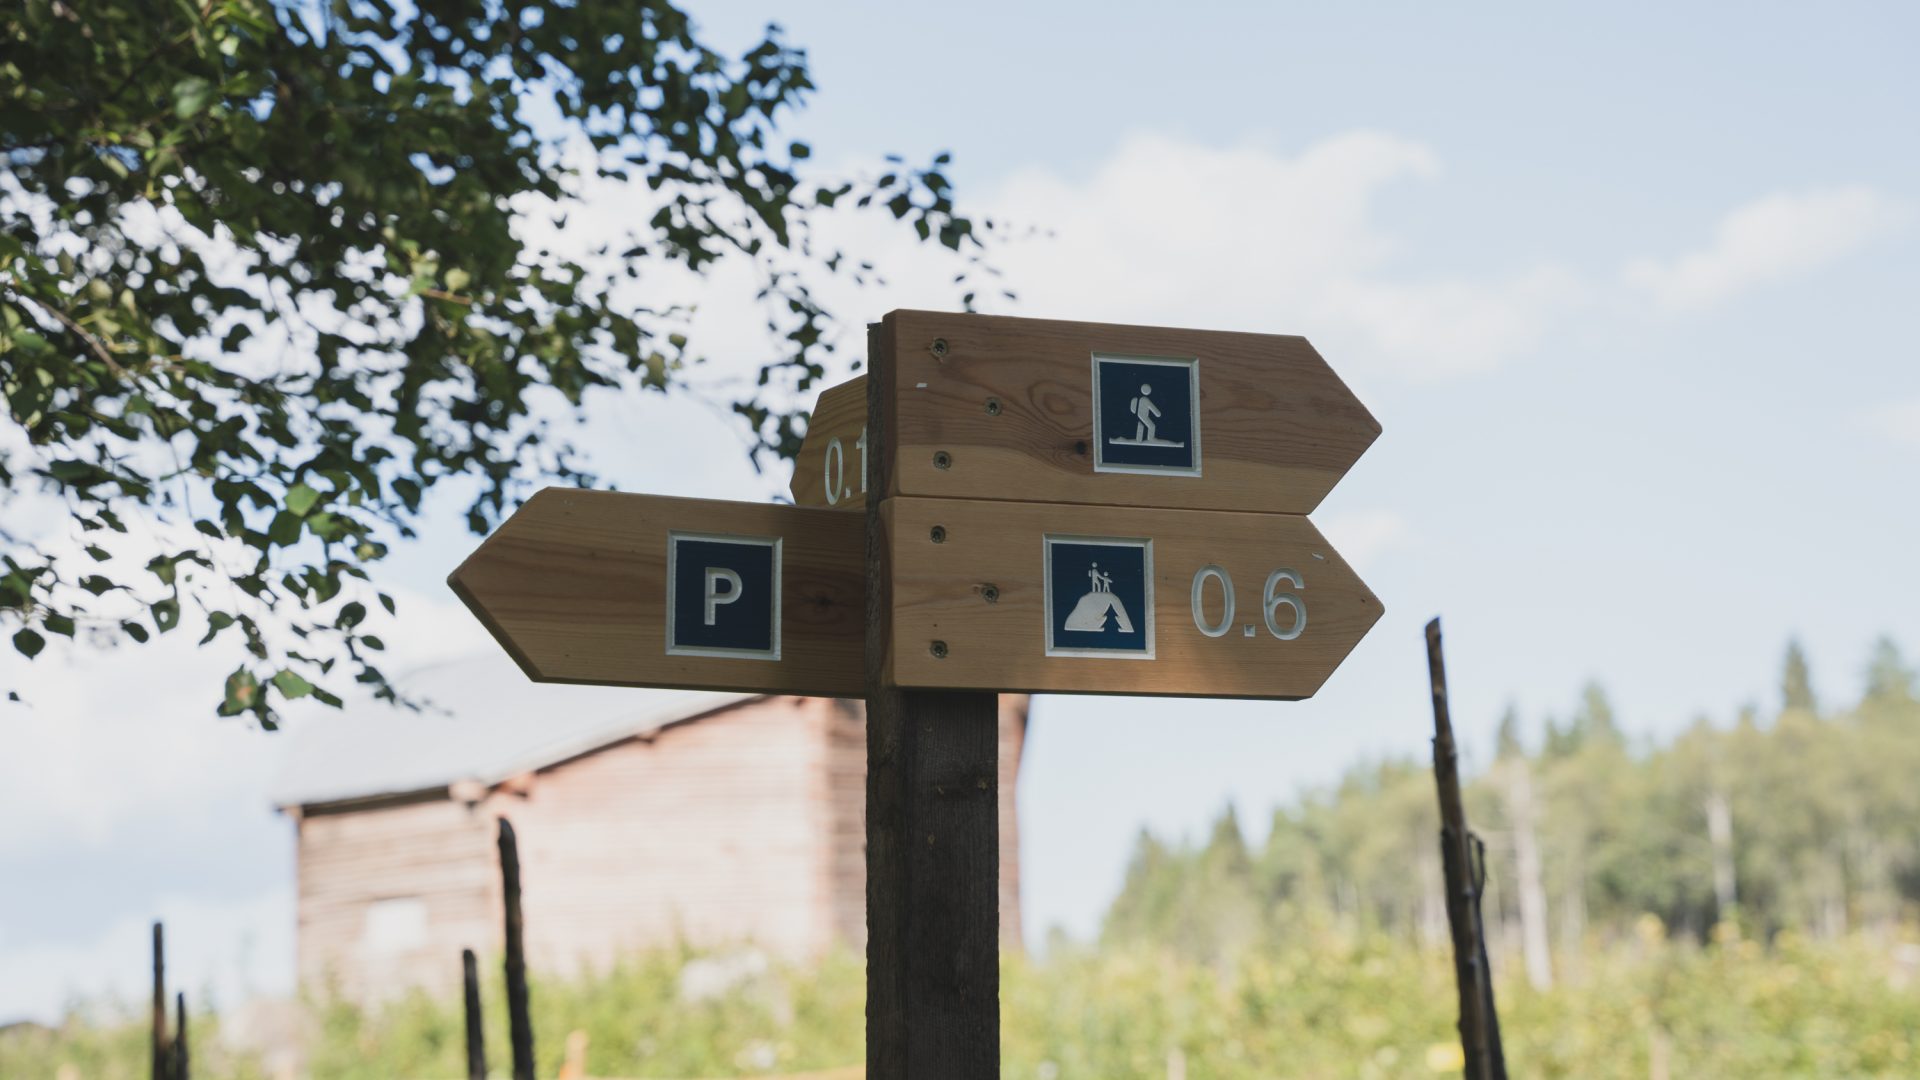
column 487, row 722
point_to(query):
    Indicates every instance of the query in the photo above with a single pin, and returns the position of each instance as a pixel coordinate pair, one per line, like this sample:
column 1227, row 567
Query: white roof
column 485, row 721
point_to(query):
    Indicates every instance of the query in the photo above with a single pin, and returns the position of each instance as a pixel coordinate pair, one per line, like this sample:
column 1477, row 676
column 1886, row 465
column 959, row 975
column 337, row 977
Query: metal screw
column 1080, row 448
column 993, row 406
column 990, row 593
column 939, row 650
column 938, row 348
column 938, row 534
column 942, row 459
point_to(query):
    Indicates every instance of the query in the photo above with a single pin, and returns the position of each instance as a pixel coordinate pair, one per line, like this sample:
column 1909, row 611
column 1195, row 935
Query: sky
column 1629, row 289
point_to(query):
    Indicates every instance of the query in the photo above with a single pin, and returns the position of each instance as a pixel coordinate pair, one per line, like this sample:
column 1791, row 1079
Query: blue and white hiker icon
column 1100, row 603
column 1145, row 420
column 1144, row 429
column 1099, row 596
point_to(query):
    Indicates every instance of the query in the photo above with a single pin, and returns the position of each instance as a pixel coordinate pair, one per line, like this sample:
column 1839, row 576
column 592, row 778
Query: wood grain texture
column 825, row 475
column 933, row 961
column 573, row 585
column 1010, row 402
column 939, row 593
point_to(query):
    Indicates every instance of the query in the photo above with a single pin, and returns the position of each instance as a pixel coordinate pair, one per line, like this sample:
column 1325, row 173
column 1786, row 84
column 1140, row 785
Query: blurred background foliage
column 1743, row 900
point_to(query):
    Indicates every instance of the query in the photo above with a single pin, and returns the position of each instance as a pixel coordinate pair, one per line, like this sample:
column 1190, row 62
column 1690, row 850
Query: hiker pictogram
column 1099, row 609
column 1145, row 416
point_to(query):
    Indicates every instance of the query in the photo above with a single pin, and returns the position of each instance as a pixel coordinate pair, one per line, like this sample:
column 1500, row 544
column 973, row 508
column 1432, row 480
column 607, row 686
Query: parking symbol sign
column 1099, row 596
column 723, row 595
column 1146, row 415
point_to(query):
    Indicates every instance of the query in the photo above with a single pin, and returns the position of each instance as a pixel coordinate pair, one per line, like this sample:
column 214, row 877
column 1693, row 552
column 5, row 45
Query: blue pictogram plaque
column 1099, row 593
column 723, row 595
column 1146, row 415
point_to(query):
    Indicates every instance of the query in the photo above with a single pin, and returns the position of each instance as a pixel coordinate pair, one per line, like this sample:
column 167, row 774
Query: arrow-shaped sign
column 643, row 590
column 831, row 468
column 1115, row 600
column 1038, row 410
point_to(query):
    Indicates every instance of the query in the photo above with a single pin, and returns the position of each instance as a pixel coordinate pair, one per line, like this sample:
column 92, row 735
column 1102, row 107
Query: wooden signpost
column 997, row 505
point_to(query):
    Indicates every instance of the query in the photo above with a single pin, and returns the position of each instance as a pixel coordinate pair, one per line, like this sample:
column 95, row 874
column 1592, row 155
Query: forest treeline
column 1802, row 817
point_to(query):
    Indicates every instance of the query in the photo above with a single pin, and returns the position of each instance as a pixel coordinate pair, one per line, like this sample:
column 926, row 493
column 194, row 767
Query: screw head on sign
column 990, row 593
column 938, row 649
column 938, row 534
column 993, row 406
column 938, row 348
column 942, row 459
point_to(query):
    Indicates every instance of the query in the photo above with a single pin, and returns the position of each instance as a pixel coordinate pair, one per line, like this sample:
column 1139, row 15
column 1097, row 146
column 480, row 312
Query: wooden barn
column 644, row 817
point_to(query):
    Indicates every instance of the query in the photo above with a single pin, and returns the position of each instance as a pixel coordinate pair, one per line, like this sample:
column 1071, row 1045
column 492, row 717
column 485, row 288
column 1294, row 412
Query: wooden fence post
column 519, row 1022
column 160, row 1047
column 1464, row 863
column 476, row 1030
column 182, row 1066
column 933, row 836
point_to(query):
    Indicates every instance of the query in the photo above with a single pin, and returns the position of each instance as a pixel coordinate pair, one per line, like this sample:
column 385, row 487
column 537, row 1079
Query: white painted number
column 862, row 444
column 1270, row 601
column 716, row 575
column 834, row 469
column 1199, row 601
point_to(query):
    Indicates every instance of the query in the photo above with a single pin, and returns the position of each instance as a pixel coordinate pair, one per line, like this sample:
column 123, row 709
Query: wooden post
column 182, row 1067
column 160, row 1047
column 1464, row 864
column 476, row 1031
column 933, row 839
column 519, row 1023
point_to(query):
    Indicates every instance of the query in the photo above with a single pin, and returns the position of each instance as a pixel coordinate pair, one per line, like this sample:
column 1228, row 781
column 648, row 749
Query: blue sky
column 1630, row 290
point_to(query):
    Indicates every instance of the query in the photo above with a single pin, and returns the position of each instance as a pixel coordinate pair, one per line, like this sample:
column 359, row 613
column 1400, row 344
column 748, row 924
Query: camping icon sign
column 1146, row 416
column 1099, row 593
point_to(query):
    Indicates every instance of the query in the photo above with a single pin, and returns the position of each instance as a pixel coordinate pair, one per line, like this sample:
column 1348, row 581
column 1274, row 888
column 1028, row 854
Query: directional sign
column 643, row 590
column 1115, row 600
column 985, row 407
column 831, row 468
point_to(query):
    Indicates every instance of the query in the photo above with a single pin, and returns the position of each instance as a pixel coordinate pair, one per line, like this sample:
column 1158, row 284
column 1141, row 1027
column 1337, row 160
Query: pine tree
column 1889, row 679
column 1796, row 681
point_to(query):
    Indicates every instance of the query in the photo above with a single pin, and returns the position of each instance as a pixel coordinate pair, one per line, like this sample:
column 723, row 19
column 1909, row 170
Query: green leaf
column 285, row 530
column 242, row 694
column 60, row 624
column 166, row 614
column 135, row 631
column 300, row 499
column 191, row 96
column 29, row 643
column 216, row 622
column 291, row 685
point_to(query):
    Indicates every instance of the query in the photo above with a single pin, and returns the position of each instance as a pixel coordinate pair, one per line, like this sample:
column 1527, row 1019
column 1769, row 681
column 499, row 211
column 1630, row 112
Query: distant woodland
column 1803, row 817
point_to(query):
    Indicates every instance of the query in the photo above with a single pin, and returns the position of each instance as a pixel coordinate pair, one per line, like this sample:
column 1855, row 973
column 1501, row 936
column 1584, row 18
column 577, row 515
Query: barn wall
column 714, row 831
column 743, row 826
column 390, row 893
column 846, row 792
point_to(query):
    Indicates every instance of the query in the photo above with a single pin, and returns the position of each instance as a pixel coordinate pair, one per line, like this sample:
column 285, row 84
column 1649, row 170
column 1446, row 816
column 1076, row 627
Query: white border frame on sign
column 1192, row 364
column 1145, row 544
column 673, row 558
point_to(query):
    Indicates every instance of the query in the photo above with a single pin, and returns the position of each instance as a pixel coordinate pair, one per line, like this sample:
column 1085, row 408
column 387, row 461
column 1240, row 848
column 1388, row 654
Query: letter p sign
column 723, row 595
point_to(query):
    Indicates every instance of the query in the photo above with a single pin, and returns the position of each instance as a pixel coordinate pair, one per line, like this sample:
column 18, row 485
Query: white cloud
column 1245, row 237
column 1896, row 421
column 1771, row 239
